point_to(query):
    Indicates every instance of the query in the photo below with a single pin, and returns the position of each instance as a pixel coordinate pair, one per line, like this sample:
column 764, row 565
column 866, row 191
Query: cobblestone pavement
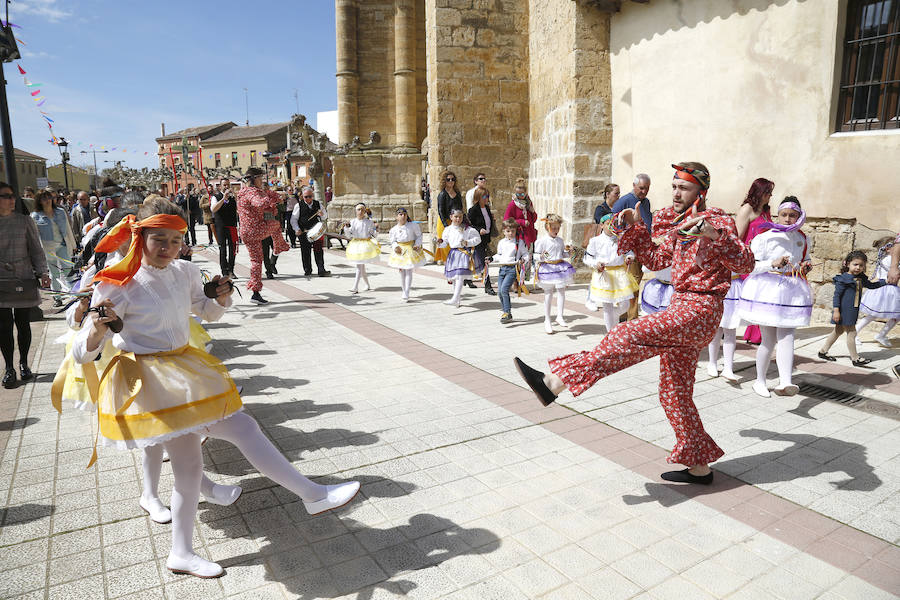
column 470, row 488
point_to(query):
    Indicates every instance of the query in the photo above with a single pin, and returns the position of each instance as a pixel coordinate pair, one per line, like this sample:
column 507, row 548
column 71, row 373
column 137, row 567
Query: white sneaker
column 561, row 322
column 591, row 305
column 712, row 370
column 761, row 389
column 452, row 302
column 787, row 390
column 729, row 376
column 547, row 326
column 337, row 496
column 354, row 291
column 194, row 565
column 883, row 341
column 158, row 511
column 224, row 495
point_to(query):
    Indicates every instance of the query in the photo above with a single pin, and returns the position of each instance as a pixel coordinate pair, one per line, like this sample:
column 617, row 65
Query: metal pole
column 65, row 172
column 95, row 168
column 9, row 153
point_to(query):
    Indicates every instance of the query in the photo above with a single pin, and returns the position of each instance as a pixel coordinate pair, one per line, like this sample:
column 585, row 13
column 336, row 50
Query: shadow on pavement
column 357, row 559
column 18, row 423
column 237, row 348
column 255, row 385
column 25, row 513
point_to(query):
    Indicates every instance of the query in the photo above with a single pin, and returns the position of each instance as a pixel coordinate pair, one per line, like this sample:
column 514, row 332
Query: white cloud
column 41, row 54
column 43, row 8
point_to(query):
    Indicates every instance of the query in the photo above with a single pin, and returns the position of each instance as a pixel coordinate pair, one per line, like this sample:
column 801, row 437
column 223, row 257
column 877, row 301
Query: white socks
column 560, row 305
column 784, row 354
column 728, row 338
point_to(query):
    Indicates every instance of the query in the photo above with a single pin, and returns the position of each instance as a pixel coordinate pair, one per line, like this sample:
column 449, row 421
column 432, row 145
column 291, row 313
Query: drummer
column 306, row 215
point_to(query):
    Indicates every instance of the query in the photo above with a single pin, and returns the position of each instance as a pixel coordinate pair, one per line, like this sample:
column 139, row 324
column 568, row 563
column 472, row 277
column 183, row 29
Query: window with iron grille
column 870, row 75
column 218, row 160
column 234, row 159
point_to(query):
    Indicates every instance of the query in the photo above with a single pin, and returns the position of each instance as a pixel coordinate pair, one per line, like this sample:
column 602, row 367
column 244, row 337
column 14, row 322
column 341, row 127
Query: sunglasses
column 307, row 197
column 480, row 179
column 451, row 179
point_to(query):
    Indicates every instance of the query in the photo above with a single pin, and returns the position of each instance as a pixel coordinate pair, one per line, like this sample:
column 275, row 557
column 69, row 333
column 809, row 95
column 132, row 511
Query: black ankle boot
column 470, row 283
column 9, row 378
column 25, row 373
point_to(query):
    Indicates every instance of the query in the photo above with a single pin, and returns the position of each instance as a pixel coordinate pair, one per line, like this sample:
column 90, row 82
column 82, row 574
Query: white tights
column 152, row 466
column 864, row 320
column 728, row 338
column 187, row 466
column 784, row 353
column 560, row 303
column 610, row 316
column 406, row 281
column 457, row 291
column 360, row 274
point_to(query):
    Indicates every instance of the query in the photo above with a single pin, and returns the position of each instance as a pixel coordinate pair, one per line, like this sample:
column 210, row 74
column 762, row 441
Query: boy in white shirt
column 511, row 254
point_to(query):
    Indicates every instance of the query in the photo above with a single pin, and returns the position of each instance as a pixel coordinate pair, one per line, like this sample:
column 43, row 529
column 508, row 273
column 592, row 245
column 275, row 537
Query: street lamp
column 266, row 156
column 95, row 162
column 63, row 146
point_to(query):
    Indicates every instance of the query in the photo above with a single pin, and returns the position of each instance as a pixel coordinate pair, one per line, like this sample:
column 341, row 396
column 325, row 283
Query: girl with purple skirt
column 776, row 295
column 462, row 261
column 657, row 293
column 553, row 273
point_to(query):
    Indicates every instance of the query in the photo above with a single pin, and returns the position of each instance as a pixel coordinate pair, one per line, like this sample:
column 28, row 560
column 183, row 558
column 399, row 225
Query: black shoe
column 684, row 476
column 25, row 373
column 470, row 283
column 269, row 275
column 826, row 356
column 57, row 301
column 256, row 298
column 535, row 380
column 489, row 291
column 324, row 273
column 9, row 378
column 861, row 362
column 896, row 370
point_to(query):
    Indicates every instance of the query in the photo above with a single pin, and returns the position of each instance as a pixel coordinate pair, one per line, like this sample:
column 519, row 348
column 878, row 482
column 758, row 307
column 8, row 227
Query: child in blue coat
column 848, row 288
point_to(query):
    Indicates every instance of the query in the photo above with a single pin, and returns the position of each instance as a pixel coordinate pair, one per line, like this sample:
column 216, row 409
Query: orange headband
column 122, row 272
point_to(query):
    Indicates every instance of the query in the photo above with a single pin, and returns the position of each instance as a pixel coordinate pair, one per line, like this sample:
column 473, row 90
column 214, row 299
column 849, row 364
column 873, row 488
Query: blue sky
column 113, row 70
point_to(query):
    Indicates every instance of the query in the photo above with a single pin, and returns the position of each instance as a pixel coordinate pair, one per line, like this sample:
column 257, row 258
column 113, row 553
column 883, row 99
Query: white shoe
column 883, row 341
column 404, row 299
column 354, row 291
column 591, row 306
column 452, row 302
column 194, row 565
column 761, row 389
column 158, row 511
column 337, row 496
column 548, row 327
column 224, row 495
column 787, row 390
column 165, row 457
column 712, row 370
column 729, row 376
column 367, row 288
column 561, row 322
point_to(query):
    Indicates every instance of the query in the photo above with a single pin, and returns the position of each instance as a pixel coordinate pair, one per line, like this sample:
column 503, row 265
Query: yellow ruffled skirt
column 145, row 399
column 408, row 258
column 363, row 250
column 613, row 285
column 440, row 254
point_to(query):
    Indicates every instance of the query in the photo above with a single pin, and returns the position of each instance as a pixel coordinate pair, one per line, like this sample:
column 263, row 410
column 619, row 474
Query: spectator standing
column 223, row 206
column 448, row 200
column 205, row 203
column 22, row 260
column 482, row 220
column 610, row 197
column 636, row 199
column 480, row 181
column 753, row 212
column 521, row 209
column 82, row 214
column 56, row 238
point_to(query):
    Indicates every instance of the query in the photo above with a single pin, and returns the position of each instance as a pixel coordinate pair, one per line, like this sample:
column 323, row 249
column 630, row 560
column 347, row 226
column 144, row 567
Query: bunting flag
column 21, row 70
column 35, row 92
column 41, row 103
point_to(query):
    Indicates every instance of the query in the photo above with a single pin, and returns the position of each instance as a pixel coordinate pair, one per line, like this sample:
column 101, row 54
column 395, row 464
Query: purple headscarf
column 786, row 228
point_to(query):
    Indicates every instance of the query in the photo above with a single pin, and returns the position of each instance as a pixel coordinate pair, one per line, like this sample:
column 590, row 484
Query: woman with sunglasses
column 447, row 200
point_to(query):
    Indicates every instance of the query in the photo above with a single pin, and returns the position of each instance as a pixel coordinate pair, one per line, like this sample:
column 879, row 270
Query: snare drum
column 316, row 232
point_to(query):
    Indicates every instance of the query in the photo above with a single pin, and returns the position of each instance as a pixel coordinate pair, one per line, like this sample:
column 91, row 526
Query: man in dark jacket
column 305, row 216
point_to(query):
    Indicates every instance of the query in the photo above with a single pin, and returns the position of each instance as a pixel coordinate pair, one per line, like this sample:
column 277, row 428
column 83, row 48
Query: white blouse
column 554, row 248
column 772, row 245
column 882, row 268
column 410, row 232
column 455, row 237
column 510, row 251
column 604, row 250
column 155, row 307
column 360, row 229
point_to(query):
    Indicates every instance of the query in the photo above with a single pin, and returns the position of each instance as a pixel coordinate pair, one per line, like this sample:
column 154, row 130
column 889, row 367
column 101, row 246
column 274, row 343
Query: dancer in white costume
column 726, row 335
column 883, row 303
column 406, row 250
column 462, row 262
column 553, row 273
column 159, row 390
column 612, row 286
column 362, row 248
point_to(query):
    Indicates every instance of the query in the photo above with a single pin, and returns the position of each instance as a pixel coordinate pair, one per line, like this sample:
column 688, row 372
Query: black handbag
column 13, row 289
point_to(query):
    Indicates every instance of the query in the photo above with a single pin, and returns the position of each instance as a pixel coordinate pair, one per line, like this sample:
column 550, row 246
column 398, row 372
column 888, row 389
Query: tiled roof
column 194, row 131
column 22, row 154
column 246, row 133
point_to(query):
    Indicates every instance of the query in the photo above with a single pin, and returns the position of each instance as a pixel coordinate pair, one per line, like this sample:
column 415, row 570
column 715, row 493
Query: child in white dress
column 462, row 261
column 884, row 302
column 406, row 250
column 362, row 248
column 554, row 273
column 612, row 286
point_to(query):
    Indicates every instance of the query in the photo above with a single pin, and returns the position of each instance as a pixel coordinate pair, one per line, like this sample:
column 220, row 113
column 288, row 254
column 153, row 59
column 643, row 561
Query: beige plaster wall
column 747, row 87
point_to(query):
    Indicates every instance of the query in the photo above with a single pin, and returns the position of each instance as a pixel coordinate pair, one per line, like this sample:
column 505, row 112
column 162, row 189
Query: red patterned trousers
column 677, row 335
column 254, row 247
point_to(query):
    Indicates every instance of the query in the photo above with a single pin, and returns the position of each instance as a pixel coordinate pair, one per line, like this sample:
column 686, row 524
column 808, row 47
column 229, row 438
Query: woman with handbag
column 56, row 238
column 21, row 262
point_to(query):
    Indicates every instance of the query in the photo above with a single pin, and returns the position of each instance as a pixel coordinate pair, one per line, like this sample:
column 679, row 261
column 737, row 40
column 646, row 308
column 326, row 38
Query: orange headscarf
column 122, row 272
